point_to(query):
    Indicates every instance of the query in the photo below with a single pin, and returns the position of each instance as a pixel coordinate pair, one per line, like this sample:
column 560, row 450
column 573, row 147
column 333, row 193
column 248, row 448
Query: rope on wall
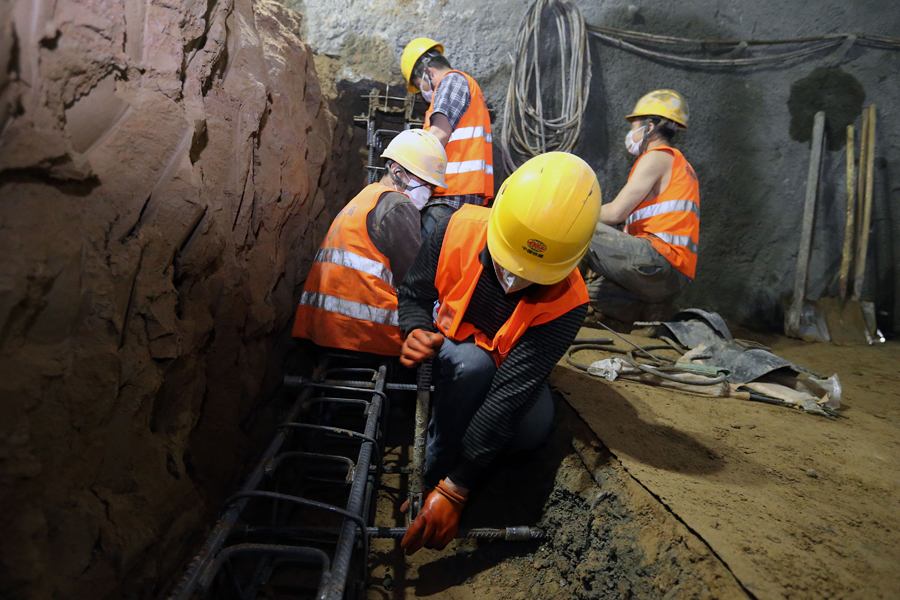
column 627, row 40
column 527, row 132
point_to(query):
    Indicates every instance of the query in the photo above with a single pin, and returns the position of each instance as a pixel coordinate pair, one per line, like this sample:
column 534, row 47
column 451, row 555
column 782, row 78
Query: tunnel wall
column 749, row 132
column 167, row 171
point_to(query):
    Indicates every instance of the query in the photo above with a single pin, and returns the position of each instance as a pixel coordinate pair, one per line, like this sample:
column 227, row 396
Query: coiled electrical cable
column 527, row 130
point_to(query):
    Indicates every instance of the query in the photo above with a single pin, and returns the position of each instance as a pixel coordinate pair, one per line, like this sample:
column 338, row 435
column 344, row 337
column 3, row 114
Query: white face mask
column 428, row 95
column 509, row 281
column 419, row 195
column 632, row 146
column 418, row 191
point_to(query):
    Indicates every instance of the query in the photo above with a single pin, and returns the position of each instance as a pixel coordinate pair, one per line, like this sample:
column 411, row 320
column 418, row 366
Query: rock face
column 749, row 130
column 166, row 173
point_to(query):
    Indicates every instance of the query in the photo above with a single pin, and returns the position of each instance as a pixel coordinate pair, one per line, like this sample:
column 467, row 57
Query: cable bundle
column 527, row 132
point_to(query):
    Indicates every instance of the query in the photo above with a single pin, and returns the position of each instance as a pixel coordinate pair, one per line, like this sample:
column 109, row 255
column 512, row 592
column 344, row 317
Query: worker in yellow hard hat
column 458, row 116
column 496, row 294
column 644, row 267
column 349, row 300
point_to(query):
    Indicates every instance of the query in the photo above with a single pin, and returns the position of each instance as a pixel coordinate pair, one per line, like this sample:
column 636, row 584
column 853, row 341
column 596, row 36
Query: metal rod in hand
column 507, row 534
column 423, row 402
column 850, row 227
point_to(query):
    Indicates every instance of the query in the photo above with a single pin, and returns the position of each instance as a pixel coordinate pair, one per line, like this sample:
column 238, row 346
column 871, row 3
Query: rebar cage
column 385, row 117
column 297, row 527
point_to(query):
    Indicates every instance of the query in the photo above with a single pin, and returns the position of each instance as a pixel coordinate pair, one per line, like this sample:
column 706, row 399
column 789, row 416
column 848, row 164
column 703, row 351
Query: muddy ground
column 651, row 493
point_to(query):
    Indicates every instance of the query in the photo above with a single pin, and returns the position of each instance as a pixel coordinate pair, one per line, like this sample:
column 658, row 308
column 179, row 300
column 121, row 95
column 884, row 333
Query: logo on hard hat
column 535, row 247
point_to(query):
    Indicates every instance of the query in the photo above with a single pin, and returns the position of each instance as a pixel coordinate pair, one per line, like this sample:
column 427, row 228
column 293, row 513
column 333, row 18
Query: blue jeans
column 433, row 213
column 463, row 373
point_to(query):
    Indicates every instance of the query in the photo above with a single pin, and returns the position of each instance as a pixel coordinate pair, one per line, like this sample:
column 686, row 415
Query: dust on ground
column 701, row 497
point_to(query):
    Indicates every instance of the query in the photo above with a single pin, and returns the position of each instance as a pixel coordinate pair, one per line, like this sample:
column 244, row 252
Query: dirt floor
column 652, row 493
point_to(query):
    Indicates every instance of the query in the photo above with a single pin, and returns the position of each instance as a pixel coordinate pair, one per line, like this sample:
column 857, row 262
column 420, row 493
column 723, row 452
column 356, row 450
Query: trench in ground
column 607, row 536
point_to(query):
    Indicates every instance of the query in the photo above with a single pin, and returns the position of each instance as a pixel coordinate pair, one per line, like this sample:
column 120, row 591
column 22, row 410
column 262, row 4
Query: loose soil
column 653, row 493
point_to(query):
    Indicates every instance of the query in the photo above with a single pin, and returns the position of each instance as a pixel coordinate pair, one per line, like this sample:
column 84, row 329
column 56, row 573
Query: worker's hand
column 419, row 346
column 437, row 522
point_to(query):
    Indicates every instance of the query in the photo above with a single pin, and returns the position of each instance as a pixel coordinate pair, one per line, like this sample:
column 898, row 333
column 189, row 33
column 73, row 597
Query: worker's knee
column 465, row 361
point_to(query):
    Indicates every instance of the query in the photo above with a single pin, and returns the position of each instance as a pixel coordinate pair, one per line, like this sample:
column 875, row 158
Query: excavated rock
column 166, row 173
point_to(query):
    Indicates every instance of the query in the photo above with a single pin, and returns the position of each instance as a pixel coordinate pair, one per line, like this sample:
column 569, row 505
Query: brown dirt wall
column 167, row 171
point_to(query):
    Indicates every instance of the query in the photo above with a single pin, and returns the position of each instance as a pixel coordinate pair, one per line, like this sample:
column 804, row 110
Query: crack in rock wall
column 167, row 171
column 748, row 139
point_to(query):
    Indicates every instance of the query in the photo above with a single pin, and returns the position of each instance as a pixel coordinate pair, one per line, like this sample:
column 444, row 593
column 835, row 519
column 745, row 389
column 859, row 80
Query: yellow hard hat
column 411, row 55
column 421, row 153
column 544, row 216
column 667, row 104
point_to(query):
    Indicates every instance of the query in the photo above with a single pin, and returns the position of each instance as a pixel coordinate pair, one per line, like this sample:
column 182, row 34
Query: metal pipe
column 291, row 381
column 335, row 590
column 423, row 401
column 508, row 534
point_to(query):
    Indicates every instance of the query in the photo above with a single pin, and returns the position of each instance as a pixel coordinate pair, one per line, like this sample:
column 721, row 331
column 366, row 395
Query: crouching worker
column 510, row 300
column 350, row 297
column 645, row 267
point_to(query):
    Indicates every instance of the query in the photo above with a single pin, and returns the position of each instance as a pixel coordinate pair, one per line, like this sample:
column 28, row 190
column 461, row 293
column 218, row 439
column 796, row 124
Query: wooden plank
column 850, row 228
column 862, row 247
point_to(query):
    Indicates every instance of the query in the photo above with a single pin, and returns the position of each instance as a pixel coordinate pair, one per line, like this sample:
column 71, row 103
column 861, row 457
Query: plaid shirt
column 457, row 201
column 452, row 100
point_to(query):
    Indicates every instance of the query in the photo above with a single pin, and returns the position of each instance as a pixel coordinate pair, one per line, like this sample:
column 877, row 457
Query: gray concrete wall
column 741, row 140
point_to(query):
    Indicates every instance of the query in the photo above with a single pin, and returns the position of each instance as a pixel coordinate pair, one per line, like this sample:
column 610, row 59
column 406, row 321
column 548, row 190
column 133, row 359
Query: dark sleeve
column 395, row 229
column 417, row 293
column 514, row 391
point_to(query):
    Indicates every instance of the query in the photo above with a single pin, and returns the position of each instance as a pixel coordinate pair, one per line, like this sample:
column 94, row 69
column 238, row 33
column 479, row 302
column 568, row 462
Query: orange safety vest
column 470, row 154
column 349, row 300
column 671, row 221
column 458, row 271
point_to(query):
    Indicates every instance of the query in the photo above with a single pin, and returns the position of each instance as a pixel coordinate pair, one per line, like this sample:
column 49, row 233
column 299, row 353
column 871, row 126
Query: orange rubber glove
column 419, row 346
column 437, row 522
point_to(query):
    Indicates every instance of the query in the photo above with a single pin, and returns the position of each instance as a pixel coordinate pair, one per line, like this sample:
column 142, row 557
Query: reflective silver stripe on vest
column 663, row 207
column 467, row 166
column 349, row 308
column 467, row 133
column 678, row 240
column 356, row 262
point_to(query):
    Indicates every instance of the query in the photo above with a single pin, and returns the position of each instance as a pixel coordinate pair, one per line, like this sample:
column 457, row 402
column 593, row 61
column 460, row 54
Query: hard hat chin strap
column 646, row 138
column 652, row 134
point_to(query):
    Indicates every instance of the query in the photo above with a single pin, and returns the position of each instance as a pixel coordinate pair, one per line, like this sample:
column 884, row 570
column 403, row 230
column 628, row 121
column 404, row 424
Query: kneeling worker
column 349, row 300
column 510, row 300
column 646, row 266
